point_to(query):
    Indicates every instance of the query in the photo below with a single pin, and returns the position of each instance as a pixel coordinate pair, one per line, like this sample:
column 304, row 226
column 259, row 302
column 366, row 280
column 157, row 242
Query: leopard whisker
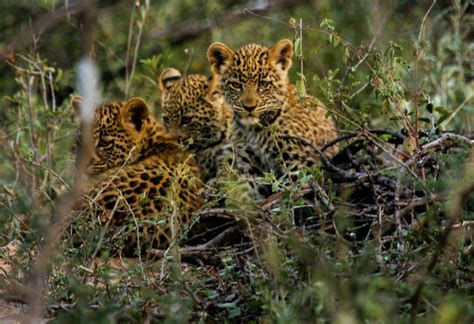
column 238, row 108
column 264, row 108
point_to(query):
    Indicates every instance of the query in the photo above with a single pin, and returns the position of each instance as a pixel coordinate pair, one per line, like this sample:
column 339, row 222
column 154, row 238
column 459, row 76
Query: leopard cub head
column 193, row 111
column 254, row 80
column 118, row 131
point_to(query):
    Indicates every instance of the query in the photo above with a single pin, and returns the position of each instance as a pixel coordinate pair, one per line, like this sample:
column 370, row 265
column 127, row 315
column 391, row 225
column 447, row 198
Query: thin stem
column 141, row 23
column 419, row 53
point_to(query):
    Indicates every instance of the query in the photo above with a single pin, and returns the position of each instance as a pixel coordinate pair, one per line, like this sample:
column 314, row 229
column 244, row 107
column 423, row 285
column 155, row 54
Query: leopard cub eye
column 235, row 84
column 105, row 143
column 264, row 83
column 186, row 120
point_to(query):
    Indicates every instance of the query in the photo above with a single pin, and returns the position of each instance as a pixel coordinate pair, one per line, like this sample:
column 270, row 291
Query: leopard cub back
column 139, row 176
column 198, row 117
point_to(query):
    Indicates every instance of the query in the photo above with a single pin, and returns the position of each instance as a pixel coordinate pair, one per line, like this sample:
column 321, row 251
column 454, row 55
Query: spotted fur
column 134, row 167
column 268, row 115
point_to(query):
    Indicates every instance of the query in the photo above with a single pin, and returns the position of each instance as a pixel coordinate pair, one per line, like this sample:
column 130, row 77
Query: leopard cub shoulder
column 138, row 175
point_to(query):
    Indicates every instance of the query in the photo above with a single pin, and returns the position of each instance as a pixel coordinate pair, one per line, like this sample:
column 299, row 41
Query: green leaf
column 59, row 75
column 441, row 119
column 297, row 46
column 209, row 293
column 429, row 107
column 425, row 120
column 234, row 312
column 385, row 137
column 327, row 23
column 345, row 54
column 442, row 110
column 275, row 186
column 300, row 87
column 227, row 305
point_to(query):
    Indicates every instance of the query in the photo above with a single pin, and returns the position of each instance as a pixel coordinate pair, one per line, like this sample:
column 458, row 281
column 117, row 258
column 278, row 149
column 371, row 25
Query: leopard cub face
column 254, row 80
column 192, row 111
column 118, row 130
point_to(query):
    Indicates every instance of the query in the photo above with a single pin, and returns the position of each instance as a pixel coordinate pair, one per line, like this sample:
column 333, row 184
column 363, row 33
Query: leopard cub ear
column 135, row 113
column 168, row 78
column 281, row 54
column 220, row 56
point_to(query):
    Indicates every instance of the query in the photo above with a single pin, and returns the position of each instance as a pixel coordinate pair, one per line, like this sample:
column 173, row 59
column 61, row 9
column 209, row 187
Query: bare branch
column 446, row 137
column 193, row 28
column 45, row 22
column 343, row 174
column 49, row 20
column 399, row 136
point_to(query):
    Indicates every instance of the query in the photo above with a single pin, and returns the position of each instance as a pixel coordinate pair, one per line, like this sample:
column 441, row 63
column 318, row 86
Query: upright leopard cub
column 139, row 175
column 196, row 114
column 268, row 117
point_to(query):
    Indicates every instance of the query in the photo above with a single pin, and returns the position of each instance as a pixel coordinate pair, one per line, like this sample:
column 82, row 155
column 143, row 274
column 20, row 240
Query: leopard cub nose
column 249, row 104
column 249, row 107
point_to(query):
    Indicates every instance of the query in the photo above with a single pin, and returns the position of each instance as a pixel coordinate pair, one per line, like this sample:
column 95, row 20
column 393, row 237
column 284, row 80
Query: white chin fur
column 249, row 120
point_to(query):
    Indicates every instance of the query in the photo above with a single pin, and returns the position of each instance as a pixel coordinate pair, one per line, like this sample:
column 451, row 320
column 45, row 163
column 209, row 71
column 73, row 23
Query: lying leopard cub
column 268, row 116
column 139, row 175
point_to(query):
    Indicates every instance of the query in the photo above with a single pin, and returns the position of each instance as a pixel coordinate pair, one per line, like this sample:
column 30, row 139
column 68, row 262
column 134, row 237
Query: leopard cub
column 139, row 176
column 197, row 117
column 273, row 123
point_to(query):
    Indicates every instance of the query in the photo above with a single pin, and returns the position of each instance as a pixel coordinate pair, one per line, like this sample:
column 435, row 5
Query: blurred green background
column 177, row 33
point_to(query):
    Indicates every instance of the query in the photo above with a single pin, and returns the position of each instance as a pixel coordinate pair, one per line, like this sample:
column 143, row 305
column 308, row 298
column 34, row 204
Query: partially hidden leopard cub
column 268, row 115
column 196, row 114
column 139, row 176
column 198, row 118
